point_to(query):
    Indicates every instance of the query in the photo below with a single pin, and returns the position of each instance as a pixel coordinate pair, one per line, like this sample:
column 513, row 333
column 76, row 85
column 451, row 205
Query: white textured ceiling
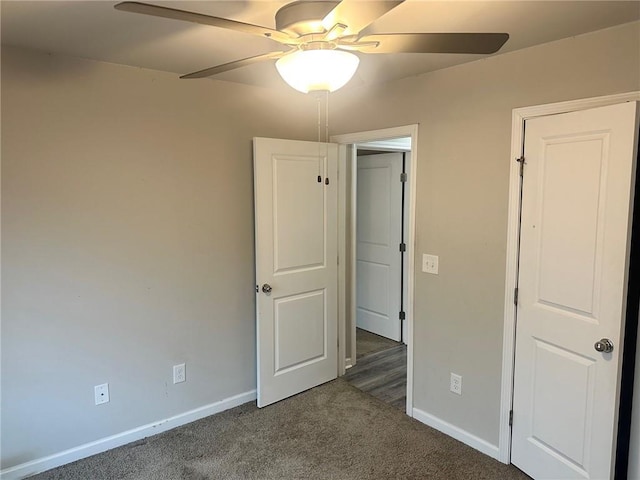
column 95, row 30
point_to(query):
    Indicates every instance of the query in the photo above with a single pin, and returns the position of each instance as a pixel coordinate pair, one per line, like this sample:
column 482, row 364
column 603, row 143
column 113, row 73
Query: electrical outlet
column 430, row 263
column 456, row 384
column 179, row 373
column 101, row 393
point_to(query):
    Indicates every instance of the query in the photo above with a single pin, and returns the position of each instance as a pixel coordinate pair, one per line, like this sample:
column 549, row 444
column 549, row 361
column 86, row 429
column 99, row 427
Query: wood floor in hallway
column 382, row 370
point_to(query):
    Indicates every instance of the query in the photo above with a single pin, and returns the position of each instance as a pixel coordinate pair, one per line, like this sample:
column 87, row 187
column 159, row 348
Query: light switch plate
column 430, row 263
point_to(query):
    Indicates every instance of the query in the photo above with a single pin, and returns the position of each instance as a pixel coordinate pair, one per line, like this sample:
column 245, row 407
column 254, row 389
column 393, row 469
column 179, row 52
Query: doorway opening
column 378, row 208
column 380, row 367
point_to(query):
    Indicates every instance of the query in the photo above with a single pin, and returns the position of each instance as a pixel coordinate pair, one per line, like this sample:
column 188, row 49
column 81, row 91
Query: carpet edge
column 458, row 433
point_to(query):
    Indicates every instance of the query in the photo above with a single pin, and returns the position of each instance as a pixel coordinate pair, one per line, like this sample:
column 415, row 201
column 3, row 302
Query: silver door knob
column 266, row 288
column 605, row 346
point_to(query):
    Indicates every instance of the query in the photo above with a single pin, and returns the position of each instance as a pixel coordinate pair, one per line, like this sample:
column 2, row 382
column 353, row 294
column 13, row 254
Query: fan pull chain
column 326, row 116
column 319, row 168
column 322, row 160
column 326, row 132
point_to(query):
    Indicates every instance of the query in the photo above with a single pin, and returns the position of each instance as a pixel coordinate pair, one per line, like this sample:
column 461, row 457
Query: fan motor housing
column 303, row 18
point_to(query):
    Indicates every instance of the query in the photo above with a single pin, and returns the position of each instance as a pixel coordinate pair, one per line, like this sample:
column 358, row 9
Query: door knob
column 605, row 346
column 266, row 288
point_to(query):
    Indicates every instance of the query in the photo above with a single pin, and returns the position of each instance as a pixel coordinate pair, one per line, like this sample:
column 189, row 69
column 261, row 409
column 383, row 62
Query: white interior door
column 378, row 234
column 296, row 266
column 576, row 206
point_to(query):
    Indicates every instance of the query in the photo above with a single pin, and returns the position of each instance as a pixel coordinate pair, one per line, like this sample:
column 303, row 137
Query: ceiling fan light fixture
column 317, row 70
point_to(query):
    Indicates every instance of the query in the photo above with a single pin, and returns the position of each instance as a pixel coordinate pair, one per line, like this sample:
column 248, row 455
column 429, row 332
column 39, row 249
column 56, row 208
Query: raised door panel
column 570, row 223
column 374, row 209
column 295, row 203
column 563, row 390
column 301, row 327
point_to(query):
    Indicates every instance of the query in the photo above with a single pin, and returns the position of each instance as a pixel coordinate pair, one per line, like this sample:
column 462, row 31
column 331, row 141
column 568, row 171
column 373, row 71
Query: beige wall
column 464, row 115
column 127, row 244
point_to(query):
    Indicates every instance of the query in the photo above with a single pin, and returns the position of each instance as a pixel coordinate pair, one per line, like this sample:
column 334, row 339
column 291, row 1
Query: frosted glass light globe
column 317, row 70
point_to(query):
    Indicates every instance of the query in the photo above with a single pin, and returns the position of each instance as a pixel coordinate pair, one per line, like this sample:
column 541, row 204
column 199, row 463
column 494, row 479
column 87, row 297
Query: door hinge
column 403, row 177
column 403, row 247
column 521, row 162
column 402, row 315
column 510, row 418
column 515, row 296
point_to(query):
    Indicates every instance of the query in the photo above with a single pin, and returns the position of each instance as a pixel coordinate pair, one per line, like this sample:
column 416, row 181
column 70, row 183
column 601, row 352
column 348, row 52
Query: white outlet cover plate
column 101, row 393
column 430, row 263
column 456, row 384
column 179, row 373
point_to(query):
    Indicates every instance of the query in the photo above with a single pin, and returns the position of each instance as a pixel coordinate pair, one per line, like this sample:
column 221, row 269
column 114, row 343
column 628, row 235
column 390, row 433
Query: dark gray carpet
column 330, row 432
column 368, row 343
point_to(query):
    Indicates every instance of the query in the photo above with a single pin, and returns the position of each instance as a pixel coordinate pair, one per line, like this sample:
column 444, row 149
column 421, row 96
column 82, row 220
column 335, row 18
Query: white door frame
column 348, row 287
column 519, row 116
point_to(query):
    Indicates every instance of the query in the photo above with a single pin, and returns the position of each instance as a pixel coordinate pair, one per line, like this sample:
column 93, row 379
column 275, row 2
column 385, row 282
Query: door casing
column 519, row 116
column 346, row 286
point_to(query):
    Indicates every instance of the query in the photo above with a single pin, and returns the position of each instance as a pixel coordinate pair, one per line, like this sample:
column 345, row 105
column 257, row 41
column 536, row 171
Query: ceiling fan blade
column 357, row 14
column 208, row 72
column 172, row 13
column 480, row 43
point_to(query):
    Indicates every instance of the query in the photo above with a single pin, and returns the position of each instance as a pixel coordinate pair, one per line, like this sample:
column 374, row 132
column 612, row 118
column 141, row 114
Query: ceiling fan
column 323, row 26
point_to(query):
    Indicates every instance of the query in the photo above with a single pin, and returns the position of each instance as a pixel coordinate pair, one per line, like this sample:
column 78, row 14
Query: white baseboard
column 459, row 434
column 27, row 469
